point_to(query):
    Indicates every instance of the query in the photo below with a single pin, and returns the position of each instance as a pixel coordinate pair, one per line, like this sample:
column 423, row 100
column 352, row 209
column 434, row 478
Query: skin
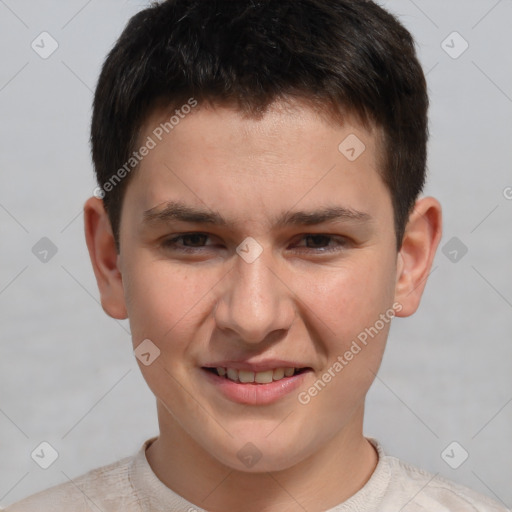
column 297, row 300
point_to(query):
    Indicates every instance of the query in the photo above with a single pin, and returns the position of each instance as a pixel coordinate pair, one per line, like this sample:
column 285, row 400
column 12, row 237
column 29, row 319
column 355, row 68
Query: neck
column 329, row 477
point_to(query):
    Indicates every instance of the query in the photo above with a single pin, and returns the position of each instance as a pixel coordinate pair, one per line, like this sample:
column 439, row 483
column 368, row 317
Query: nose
column 255, row 303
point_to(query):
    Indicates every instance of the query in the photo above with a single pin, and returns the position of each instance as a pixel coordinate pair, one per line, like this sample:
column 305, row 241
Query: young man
column 258, row 221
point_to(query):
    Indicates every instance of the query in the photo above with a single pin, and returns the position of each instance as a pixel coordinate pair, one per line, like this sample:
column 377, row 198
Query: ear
column 421, row 238
column 104, row 258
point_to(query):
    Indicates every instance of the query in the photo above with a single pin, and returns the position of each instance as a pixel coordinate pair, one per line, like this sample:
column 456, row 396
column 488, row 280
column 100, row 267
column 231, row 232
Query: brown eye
column 188, row 241
column 320, row 242
column 195, row 239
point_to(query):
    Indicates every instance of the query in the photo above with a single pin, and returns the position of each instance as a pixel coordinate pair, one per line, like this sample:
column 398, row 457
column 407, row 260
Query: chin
column 260, row 455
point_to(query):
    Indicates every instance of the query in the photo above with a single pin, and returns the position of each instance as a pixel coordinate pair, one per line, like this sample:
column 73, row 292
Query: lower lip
column 252, row 393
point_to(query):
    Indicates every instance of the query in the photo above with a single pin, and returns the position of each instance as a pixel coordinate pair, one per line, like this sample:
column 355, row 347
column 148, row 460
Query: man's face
column 258, row 292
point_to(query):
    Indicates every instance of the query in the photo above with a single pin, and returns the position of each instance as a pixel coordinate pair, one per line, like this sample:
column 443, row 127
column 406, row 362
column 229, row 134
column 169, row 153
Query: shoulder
column 420, row 491
column 105, row 488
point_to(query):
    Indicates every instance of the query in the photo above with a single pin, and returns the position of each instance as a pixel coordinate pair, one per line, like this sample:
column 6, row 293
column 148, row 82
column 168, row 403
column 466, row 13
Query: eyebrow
column 178, row 211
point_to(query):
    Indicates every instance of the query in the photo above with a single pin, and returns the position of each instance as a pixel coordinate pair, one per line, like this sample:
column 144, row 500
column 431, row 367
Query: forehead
column 284, row 122
column 218, row 158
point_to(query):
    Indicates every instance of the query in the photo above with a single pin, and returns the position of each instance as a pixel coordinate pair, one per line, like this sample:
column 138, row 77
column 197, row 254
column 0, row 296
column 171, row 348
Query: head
column 290, row 138
column 342, row 57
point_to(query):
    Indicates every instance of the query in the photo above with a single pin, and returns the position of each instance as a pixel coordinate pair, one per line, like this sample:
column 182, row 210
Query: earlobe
column 421, row 239
column 104, row 258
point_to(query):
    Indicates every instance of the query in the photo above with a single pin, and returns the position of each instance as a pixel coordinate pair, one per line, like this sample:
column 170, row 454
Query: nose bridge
column 254, row 302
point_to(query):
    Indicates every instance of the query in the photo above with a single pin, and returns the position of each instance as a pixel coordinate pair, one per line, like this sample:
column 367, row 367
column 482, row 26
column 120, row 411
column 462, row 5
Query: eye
column 195, row 242
column 319, row 241
column 191, row 242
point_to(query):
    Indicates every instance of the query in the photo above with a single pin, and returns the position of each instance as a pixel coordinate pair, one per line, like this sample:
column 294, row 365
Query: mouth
column 261, row 385
column 259, row 377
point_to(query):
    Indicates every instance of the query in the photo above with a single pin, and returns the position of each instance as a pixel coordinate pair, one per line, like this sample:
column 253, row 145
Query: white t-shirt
column 129, row 485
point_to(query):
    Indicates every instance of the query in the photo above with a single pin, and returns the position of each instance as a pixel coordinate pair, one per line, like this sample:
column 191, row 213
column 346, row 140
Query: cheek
column 347, row 300
column 166, row 303
column 172, row 306
column 349, row 305
column 160, row 298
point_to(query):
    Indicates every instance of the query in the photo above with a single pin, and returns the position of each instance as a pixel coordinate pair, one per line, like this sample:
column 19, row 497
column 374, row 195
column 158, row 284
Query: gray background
column 67, row 372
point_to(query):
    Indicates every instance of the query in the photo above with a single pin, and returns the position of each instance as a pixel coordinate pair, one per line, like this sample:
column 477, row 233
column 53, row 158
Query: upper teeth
column 259, row 377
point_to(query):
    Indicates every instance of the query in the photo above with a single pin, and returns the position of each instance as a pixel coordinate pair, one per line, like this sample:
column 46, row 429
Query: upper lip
column 259, row 366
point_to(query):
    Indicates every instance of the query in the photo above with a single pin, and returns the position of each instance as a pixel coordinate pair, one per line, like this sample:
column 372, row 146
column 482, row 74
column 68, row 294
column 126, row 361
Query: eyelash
column 171, row 243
